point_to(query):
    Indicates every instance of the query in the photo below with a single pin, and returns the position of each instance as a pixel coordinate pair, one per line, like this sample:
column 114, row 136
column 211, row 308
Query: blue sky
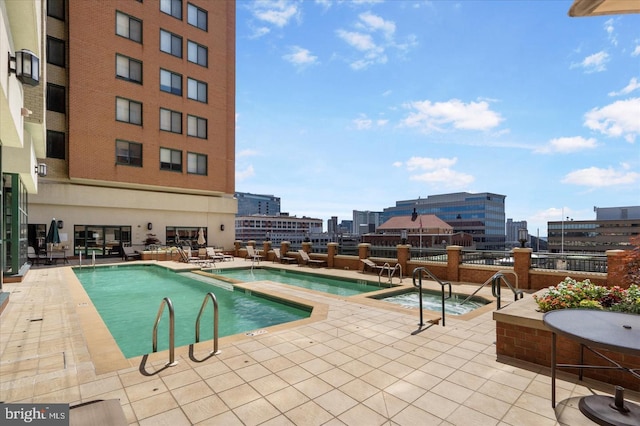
column 354, row 105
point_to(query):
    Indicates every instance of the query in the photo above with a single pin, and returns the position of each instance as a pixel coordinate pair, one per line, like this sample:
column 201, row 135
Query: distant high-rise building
column 512, row 229
column 250, row 204
column 332, row 225
column 617, row 213
column 481, row 215
column 365, row 221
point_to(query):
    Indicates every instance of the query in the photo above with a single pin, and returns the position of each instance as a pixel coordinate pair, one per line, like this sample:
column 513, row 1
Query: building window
column 128, row 27
column 170, row 82
column 170, row 159
column 56, row 98
column 170, row 121
column 172, row 7
column 196, row 127
column 55, row 9
column 55, row 145
column 197, row 17
column 129, row 153
column 196, row 53
column 55, row 52
column 128, row 111
column 128, row 69
column 170, row 43
column 196, row 90
column 196, row 163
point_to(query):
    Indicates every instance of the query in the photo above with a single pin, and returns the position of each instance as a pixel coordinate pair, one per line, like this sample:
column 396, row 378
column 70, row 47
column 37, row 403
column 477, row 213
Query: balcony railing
column 570, row 262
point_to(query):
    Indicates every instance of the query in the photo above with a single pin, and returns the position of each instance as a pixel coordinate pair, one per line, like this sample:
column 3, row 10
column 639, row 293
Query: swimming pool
column 128, row 297
column 432, row 301
column 331, row 285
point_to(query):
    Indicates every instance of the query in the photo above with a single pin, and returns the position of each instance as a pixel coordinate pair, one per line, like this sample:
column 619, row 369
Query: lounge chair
column 282, row 259
column 97, row 412
column 251, row 254
column 218, row 255
column 306, row 260
column 374, row 267
column 212, row 255
column 186, row 257
column 128, row 253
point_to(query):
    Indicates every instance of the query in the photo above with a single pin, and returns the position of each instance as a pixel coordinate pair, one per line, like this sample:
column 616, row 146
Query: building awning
column 603, row 7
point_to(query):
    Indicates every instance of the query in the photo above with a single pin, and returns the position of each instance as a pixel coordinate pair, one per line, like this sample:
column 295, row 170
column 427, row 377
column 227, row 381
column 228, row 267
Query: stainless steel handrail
column 390, row 272
column 172, row 345
column 418, row 272
column 496, row 291
column 208, row 296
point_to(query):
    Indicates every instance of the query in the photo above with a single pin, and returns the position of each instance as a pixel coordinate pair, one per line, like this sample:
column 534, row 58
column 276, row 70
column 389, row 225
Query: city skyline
column 354, row 105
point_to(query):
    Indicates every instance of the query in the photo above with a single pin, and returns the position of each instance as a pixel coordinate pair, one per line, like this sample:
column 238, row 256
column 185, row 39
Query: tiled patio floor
column 361, row 365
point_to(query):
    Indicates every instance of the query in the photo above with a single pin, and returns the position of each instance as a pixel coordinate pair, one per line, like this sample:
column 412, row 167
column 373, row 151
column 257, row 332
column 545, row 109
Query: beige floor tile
column 179, row 379
column 309, row 414
column 191, row 392
column 519, row 417
column 227, row 419
column 405, row 391
column 224, row 381
column 287, row 398
column 336, row 377
column 252, row 372
column 206, row 408
column 464, row 416
column 335, row 402
column 412, row 416
column 256, row 412
column 468, row 380
column 436, row 404
column 173, row 417
column 379, row 379
column 268, row 384
column 359, row 390
column 146, row 389
column 487, row 405
column 452, row 391
column 294, row 374
column 362, row 415
column 385, row 404
column 88, row 390
column 154, row 405
column 238, row 395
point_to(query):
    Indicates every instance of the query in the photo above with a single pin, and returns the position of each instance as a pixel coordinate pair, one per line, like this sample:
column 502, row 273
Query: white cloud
column 244, row 174
column 633, row 85
column 595, row 177
column 636, row 51
column 300, row 57
column 371, row 22
column 593, row 63
column 365, row 123
column 360, row 41
column 259, row 32
column 566, row 145
column 437, row 116
column 436, row 171
column 610, row 29
column 619, row 119
column 275, row 12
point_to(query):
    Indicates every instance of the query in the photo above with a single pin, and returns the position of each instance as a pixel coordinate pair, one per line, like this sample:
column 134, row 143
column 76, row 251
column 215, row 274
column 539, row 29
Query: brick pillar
column 454, row 258
column 307, row 246
column 522, row 265
column 615, row 268
column 284, row 247
column 266, row 246
column 251, row 243
column 332, row 251
column 363, row 250
column 404, row 254
column 236, row 248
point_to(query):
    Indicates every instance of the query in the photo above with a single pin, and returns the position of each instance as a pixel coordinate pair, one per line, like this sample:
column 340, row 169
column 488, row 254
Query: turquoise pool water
column 337, row 286
column 432, row 301
column 128, row 297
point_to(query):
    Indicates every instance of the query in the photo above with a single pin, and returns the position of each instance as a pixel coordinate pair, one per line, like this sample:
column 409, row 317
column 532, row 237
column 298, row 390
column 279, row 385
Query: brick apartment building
column 140, row 124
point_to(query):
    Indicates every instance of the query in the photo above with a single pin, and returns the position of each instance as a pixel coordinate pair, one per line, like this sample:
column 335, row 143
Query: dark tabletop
column 604, row 329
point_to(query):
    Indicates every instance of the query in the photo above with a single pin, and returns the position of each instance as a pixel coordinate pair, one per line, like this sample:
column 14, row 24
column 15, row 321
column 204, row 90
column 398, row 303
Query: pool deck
column 354, row 362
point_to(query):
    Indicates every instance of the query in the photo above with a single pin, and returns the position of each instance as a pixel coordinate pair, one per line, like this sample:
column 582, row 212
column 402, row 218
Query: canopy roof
column 603, row 7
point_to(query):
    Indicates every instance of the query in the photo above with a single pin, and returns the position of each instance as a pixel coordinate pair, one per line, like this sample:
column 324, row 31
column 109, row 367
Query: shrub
column 583, row 294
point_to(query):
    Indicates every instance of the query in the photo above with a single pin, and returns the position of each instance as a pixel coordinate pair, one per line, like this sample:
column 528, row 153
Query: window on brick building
column 128, row 69
column 170, row 121
column 197, row 90
column 56, row 52
column 128, row 153
column 56, row 145
column 128, row 27
column 170, row 82
column 196, row 127
column 170, row 43
column 172, row 7
column 196, row 163
column 129, row 111
column 170, row 159
column 197, row 53
column 197, row 17
column 56, row 98
column 55, row 9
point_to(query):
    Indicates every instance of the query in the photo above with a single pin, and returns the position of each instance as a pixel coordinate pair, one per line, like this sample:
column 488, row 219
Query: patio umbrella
column 201, row 240
column 52, row 235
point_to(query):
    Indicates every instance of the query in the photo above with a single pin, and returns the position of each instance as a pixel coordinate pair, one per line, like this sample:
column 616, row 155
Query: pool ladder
column 496, row 287
column 172, row 346
column 417, row 273
column 391, row 271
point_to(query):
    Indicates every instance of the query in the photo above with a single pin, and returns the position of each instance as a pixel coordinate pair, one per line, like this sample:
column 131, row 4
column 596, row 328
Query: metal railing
column 438, row 255
column 418, row 272
column 172, row 345
column 208, row 296
column 390, row 271
column 570, row 262
column 487, row 257
column 496, row 287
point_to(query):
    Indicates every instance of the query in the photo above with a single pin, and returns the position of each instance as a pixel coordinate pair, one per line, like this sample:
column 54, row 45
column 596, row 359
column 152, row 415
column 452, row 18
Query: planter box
column 521, row 334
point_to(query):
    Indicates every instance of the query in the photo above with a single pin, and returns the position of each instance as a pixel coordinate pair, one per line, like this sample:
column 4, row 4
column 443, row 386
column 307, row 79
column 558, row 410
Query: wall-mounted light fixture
column 41, row 169
column 26, row 67
column 222, row 227
column 149, row 226
column 25, row 112
column 60, row 224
